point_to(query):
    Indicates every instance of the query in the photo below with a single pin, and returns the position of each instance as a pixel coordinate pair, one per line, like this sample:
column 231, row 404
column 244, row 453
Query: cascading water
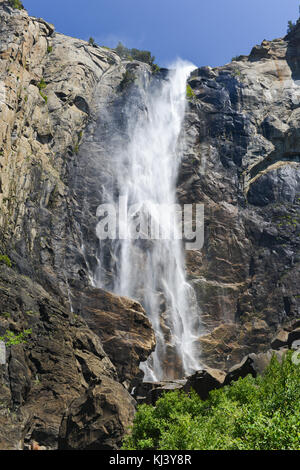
column 144, row 169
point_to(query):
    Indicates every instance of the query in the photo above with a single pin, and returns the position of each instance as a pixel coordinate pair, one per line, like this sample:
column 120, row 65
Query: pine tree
column 291, row 26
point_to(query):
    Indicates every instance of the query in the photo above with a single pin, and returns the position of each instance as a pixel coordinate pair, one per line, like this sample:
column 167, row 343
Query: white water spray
column 145, row 170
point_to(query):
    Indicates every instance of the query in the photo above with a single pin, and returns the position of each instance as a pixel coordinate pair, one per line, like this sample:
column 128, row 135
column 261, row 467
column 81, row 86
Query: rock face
column 67, row 386
column 122, row 326
column 242, row 161
column 62, row 361
column 48, row 84
column 103, row 429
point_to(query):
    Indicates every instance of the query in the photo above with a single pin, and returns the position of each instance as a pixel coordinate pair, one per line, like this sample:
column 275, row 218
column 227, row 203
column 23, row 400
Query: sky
column 205, row 32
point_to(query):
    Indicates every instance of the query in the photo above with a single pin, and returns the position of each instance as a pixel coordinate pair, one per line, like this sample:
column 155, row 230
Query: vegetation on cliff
column 250, row 414
column 17, row 4
column 136, row 54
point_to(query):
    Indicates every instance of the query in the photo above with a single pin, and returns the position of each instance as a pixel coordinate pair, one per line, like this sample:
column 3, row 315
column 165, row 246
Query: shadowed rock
column 97, row 420
column 280, row 340
column 205, row 381
column 122, row 326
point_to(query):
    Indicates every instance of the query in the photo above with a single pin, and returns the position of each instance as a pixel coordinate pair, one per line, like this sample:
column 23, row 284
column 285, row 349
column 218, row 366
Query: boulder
column 99, row 419
column 253, row 364
column 204, row 381
column 150, row 392
column 157, row 391
column 293, row 336
column 121, row 324
column 280, row 340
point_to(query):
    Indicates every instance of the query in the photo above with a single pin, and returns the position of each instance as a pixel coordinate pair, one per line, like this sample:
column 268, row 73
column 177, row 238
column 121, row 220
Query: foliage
column 4, row 259
column 250, row 414
column 17, row 4
column 49, row 49
column 92, row 41
column 189, row 92
column 42, row 84
column 45, row 97
column 11, row 338
column 137, row 54
column 128, row 78
column 236, row 58
column 290, row 26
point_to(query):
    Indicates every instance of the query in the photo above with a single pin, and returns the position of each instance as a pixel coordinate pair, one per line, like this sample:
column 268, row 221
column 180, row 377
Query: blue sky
column 206, row 32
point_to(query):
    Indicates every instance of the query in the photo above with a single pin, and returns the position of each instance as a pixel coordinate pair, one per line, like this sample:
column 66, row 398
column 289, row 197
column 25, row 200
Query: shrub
column 16, row 4
column 49, row 49
column 4, row 259
column 10, row 338
column 236, row 58
column 250, row 414
column 92, row 41
column 136, row 54
column 189, row 92
column 42, row 84
column 128, row 78
column 45, row 97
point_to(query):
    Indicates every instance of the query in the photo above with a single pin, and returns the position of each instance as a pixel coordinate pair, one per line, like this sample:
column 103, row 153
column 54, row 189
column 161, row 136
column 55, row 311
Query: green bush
column 92, row 41
column 250, row 414
column 42, row 84
column 16, row 4
column 137, row 54
column 11, row 339
column 4, row 259
column 290, row 26
column 189, row 92
column 128, row 78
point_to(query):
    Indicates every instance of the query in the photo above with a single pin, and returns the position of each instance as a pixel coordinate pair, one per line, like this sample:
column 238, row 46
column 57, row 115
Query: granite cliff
column 68, row 386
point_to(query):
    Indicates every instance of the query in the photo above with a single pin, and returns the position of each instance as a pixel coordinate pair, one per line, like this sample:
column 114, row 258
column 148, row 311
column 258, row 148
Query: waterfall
column 144, row 170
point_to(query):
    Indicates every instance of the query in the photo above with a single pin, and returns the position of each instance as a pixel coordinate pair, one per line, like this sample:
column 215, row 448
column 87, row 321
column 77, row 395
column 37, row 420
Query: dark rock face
column 96, row 421
column 62, row 361
column 280, row 340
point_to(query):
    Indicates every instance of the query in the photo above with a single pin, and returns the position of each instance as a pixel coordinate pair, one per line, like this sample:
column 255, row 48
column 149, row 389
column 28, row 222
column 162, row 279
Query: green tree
column 290, row 27
column 17, row 4
column 250, row 414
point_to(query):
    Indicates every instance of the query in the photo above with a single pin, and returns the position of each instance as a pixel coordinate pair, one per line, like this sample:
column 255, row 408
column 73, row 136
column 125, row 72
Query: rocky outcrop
column 61, row 362
column 97, row 420
column 123, row 327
